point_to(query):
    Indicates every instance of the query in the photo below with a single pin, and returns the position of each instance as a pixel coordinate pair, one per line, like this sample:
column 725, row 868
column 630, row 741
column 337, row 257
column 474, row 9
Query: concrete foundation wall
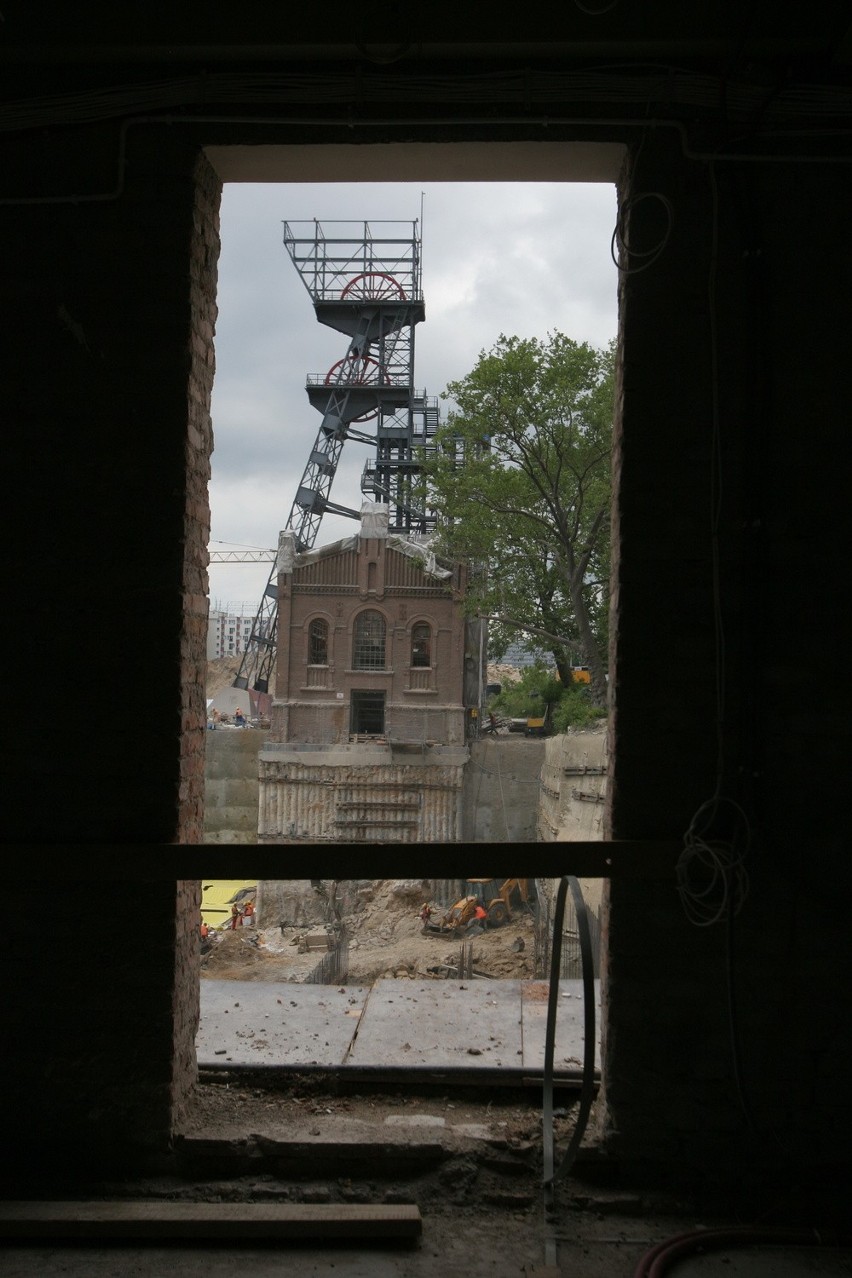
column 573, row 785
column 361, row 793
column 231, row 785
column 501, row 789
column 573, row 795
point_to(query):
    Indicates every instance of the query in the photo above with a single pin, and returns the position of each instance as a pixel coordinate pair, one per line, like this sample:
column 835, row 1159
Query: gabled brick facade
column 371, row 643
column 369, row 720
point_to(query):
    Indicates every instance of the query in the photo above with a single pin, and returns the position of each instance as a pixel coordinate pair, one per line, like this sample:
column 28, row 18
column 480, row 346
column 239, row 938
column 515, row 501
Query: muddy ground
column 385, row 939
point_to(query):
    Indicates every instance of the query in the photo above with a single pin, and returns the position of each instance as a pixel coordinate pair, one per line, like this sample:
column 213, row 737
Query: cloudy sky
column 497, row 258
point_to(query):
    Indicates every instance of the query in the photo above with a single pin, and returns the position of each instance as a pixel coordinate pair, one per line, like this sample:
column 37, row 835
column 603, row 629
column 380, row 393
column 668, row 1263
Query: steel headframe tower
column 364, row 279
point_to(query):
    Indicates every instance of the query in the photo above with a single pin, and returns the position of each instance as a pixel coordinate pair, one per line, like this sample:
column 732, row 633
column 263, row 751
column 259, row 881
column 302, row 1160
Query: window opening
column 367, row 706
column 421, row 644
column 368, row 641
column 368, row 713
column 318, row 643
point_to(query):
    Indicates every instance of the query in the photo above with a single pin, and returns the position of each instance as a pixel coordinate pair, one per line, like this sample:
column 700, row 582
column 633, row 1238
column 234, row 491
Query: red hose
column 658, row 1260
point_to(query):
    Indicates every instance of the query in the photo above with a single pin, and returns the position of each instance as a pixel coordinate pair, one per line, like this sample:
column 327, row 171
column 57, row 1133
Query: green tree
column 537, row 692
column 521, row 476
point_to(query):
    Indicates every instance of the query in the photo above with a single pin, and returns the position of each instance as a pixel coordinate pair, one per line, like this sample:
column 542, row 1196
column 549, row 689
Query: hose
column 551, row 1174
column 660, row 1258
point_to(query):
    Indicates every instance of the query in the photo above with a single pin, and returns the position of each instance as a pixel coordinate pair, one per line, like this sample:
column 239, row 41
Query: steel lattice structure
column 364, row 279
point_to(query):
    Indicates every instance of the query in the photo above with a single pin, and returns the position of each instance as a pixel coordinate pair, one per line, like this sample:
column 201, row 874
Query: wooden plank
column 208, row 1222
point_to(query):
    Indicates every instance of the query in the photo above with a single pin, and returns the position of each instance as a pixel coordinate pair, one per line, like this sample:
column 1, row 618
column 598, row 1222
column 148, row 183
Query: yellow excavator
column 494, row 896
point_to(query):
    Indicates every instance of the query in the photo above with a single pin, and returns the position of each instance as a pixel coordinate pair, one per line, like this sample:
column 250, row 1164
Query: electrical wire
column 350, row 123
column 712, row 877
column 619, row 235
column 711, row 873
column 594, row 12
column 607, row 84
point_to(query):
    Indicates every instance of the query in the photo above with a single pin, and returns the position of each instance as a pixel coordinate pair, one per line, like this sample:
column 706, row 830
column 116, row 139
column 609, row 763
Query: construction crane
column 241, row 555
column 364, row 280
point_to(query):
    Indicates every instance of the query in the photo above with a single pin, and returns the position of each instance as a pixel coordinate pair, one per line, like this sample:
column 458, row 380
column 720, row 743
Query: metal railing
column 571, row 962
column 333, row 967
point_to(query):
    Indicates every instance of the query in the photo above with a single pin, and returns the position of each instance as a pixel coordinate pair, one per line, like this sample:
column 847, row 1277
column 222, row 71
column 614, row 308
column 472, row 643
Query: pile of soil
column 221, row 673
column 504, row 675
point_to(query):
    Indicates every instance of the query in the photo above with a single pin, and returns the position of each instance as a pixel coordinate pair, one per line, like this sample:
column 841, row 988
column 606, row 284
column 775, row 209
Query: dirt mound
column 221, row 673
column 247, row 954
column 384, row 938
column 504, row 675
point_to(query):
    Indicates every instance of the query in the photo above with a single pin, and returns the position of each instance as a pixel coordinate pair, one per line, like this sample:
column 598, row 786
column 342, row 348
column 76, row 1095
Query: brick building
column 374, row 662
column 371, row 641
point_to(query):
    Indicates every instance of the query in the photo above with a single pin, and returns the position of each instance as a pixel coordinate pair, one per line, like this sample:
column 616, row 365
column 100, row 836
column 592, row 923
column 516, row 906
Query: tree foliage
column 536, row 688
column 521, row 475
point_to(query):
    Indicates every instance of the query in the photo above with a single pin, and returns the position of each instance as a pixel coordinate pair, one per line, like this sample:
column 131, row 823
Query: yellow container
column 218, row 895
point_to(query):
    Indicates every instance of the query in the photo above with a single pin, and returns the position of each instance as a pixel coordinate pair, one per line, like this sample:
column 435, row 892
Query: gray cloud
column 497, row 258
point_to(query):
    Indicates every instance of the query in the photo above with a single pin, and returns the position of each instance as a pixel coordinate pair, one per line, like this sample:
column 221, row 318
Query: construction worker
column 480, row 914
column 248, row 914
column 236, row 916
column 205, row 930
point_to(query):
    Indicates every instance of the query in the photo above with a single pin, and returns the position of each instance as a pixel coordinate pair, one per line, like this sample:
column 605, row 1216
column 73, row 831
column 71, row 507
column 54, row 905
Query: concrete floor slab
column 395, row 1025
column 440, row 1024
column 276, row 1023
column 570, row 1040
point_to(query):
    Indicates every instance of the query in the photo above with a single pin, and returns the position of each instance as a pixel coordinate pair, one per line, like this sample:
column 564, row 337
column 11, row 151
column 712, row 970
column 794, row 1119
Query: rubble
column 385, row 938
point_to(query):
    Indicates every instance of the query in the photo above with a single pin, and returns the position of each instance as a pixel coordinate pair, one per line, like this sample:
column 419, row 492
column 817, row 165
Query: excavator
column 494, row 897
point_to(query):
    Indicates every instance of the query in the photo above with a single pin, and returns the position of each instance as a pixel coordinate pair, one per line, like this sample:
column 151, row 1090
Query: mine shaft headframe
column 364, row 279
column 354, row 261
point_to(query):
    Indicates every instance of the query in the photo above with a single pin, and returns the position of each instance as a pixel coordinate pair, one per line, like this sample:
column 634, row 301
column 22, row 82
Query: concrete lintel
column 620, row 859
column 526, row 161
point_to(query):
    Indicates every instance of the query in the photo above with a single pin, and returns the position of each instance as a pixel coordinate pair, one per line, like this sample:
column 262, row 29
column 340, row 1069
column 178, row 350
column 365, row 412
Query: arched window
column 421, row 644
column 318, row 643
column 368, row 641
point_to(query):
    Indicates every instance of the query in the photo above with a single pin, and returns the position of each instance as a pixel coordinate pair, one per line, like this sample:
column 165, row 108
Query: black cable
column 549, row 1172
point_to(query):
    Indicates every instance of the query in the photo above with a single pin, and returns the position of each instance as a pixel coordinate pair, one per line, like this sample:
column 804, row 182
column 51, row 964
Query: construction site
column 459, row 1100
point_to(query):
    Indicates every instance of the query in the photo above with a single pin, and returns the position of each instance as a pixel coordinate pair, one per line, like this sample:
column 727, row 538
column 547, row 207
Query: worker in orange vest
column 248, row 914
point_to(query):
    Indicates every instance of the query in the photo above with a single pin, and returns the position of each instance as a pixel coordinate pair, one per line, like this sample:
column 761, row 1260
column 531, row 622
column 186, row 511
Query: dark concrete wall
column 106, row 371
column 733, row 350
column 107, row 367
column 735, row 353
column 105, row 1017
